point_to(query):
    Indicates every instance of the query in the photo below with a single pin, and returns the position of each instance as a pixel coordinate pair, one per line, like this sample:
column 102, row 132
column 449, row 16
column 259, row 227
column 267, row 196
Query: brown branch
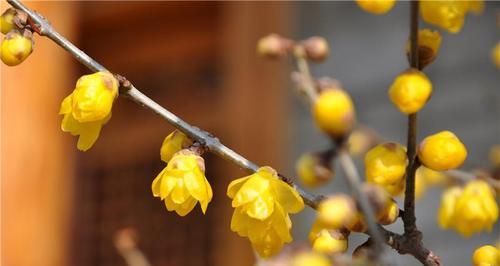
column 409, row 218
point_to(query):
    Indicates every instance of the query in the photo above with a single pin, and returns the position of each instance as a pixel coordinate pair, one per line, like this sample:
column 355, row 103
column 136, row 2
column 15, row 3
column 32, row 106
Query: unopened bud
column 6, row 20
column 314, row 170
column 274, row 46
column 316, row 48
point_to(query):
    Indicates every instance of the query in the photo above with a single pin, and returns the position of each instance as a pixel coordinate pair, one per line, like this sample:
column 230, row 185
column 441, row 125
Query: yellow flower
column 449, row 15
column 377, row 7
column 429, row 42
column 173, row 143
column 386, row 164
column 475, row 209
column 334, row 112
column 15, row 48
column 486, row 255
column 311, row 171
column 442, row 151
column 410, row 91
column 336, row 211
column 88, row 107
column 495, row 54
column 327, row 241
column 447, row 207
column 182, row 183
column 262, row 205
column 397, row 188
column 6, row 20
column 310, row 259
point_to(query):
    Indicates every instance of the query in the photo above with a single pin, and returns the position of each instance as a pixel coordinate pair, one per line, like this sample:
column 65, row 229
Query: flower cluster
column 262, row 205
column 182, row 183
column 470, row 209
column 18, row 43
column 88, row 107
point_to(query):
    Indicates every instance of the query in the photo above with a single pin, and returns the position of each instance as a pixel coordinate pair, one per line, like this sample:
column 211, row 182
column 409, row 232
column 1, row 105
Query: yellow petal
column 66, row 105
column 281, row 225
column 261, row 208
column 250, row 190
column 167, row 184
column 204, row 203
column 270, row 245
column 195, row 184
column 179, row 193
column 88, row 135
column 186, row 207
column 235, row 186
column 238, row 222
column 287, row 197
column 69, row 124
column 155, row 186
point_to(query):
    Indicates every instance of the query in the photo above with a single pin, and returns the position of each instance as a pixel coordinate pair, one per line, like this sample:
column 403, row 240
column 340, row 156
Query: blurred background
column 64, row 207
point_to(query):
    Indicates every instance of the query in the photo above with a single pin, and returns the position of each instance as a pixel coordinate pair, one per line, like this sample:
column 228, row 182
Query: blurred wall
column 367, row 53
column 37, row 161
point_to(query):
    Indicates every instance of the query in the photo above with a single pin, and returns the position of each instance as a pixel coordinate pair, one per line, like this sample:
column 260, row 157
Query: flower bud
column 173, row 143
column 274, row 46
column 7, row 20
column 377, row 7
column 386, row 163
column 390, row 214
column 316, row 48
column 336, row 211
column 16, row 47
column 334, row 112
column 486, row 256
column 328, row 241
column 312, row 170
column 428, row 47
column 442, row 151
column 410, row 91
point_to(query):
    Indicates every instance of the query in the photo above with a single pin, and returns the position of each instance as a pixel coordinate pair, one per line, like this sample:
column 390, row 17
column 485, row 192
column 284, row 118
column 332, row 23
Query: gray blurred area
column 367, row 53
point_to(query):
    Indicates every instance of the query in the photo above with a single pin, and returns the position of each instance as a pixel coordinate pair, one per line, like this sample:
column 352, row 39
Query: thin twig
column 354, row 183
column 303, row 66
column 44, row 28
column 409, row 217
